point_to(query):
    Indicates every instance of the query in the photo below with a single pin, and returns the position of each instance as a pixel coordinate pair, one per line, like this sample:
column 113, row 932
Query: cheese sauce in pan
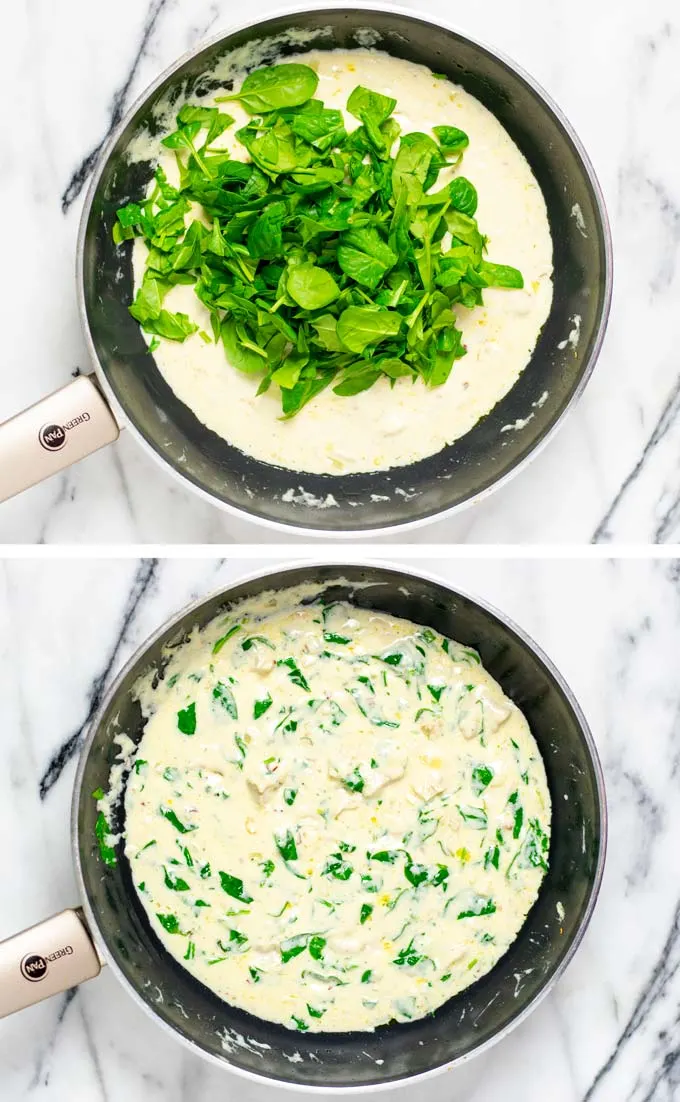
column 386, row 427
column 335, row 818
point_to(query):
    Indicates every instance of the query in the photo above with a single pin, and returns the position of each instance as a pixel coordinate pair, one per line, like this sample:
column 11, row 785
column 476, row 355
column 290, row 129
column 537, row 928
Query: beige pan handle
column 44, row 960
column 54, row 433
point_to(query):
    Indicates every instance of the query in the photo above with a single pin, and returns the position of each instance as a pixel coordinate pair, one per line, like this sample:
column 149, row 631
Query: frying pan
column 128, row 390
column 113, row 927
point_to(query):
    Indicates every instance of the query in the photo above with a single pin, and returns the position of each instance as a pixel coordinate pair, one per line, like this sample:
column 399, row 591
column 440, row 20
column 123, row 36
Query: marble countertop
column 612, row 471
column 607, row 1032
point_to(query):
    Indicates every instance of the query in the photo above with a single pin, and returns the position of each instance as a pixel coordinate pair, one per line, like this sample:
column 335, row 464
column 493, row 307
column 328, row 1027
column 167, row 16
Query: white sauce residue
column 520, row 423
column 577, row 215
column 574, row 334
column 303, row 497
column 231, row 1039
column 384, row 427
column 335, row 818
column 518, row 977
column 117, row 774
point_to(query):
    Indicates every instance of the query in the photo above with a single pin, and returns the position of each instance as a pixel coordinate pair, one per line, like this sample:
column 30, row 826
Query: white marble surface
column 607, row 1033
column 612, row 472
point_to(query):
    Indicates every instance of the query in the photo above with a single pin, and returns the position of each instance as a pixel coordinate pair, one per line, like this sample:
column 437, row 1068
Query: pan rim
column 405, row 573
column 603, row 229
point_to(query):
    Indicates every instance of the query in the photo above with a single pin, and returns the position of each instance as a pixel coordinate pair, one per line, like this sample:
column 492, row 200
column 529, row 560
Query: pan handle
column 54, row 433
column 46, row 959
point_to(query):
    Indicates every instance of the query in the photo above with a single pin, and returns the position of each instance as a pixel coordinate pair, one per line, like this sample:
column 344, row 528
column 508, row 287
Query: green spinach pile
column 322, row 259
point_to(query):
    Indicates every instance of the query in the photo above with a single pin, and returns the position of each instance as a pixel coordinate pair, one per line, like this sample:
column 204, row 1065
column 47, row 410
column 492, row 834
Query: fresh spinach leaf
column 361, row 326
column 362, row 102
column 275, row 87
column 311, row 287
column 463, row 195
column 453, row 142
column 500, row 275
column 320, row 259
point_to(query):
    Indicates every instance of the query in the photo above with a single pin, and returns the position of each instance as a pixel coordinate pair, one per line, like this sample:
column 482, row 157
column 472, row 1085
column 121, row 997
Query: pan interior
column 501, row 440
column 470, row 1019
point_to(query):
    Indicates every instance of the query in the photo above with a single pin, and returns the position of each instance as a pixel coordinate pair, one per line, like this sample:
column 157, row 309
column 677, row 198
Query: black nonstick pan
column 113, row 927
column 131, row 392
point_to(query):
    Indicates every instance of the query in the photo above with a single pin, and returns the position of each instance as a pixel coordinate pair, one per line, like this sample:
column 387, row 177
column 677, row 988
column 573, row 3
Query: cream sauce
column 335, row 818
column 387, row 427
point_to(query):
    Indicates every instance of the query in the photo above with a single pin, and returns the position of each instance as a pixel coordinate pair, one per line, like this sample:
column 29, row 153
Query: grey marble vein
column 119, row 103
column 41, row 1074
column 663, row 974
column 143, row 580
column 666, row 524
column 93, row 1052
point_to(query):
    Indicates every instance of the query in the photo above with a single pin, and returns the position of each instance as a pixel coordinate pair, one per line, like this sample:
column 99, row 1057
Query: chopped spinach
column 408, row 956
column 482, row 775
column 355, row 782
column 294, row 674
column 224, row 696
column 474, row 817
column 479, row 907
column 102, row 834
column 260, row 706
column 285, row 844
column 169, row 814
column 186, row 719
column 174, row 882
column 170, row 923
column 322, row 259
column 220, row 642
column 337, row 868
column 233, row 886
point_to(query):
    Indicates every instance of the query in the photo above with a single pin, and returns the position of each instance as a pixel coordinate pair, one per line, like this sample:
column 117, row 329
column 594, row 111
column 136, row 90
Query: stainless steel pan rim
column 271, row 574
column 407, row 526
